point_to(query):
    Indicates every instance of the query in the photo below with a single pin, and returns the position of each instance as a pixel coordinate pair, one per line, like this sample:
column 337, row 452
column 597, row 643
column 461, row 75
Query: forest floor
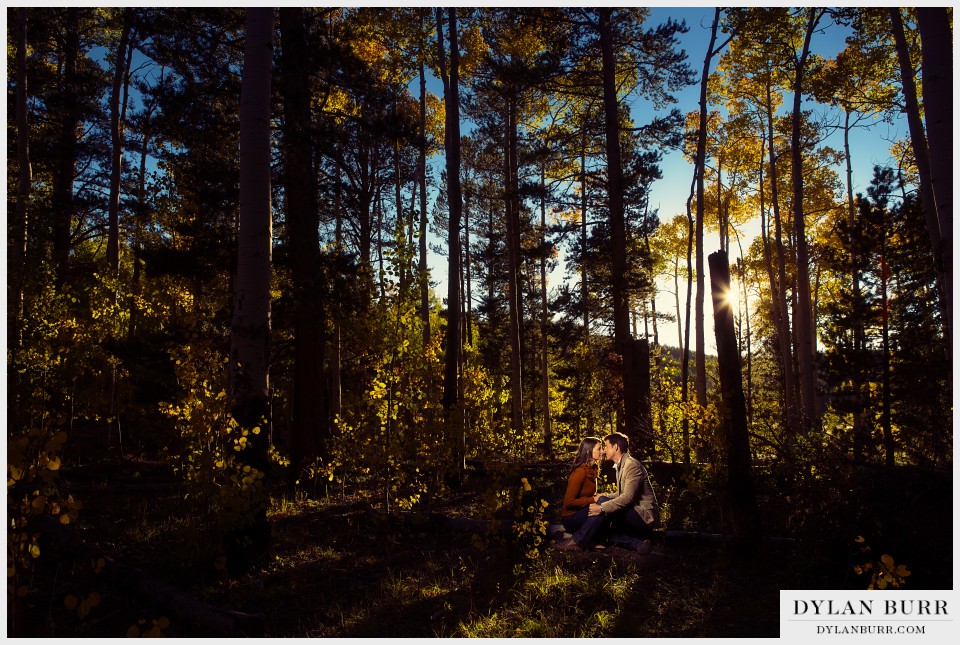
column 340, row 568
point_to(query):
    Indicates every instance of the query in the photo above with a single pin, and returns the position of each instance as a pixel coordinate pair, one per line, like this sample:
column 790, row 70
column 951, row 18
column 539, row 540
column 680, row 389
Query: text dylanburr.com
column 893, row 613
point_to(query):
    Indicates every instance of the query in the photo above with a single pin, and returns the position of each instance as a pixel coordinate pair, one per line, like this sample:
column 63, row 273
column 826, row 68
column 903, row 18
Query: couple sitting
column 627, row 519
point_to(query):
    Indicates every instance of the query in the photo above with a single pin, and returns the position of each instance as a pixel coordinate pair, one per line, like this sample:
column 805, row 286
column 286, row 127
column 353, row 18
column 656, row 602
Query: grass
column 339, row 570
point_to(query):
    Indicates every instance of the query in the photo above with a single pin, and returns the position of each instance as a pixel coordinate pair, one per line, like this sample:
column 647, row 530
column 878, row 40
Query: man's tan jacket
column 634, row 490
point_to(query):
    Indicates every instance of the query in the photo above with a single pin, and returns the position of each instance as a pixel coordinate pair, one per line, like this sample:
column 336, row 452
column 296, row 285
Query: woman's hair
column 584, row 452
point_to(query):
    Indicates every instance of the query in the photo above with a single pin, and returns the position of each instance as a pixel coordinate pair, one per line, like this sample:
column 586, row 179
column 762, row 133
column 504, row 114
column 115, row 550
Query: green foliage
column 212, row 456
column 529, row 525
column 388, row 436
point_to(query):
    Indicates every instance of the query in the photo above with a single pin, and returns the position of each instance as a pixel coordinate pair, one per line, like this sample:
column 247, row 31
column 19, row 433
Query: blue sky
column 869, row 147
column 669, row 194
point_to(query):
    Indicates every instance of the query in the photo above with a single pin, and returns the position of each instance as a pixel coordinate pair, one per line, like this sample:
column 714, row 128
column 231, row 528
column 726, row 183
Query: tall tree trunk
column 936, row 49
column 743, row 506
column 676, row 298
column 584, row 289
column 400, row 226
column 513, row 272
column 468, row 299
column 856, row 373
column 615, row 187
column 779, row 291
column 18, row 243
column 250, row 330
column 336, row 381
column 921, row 153
column 746, row 316
column 422, row 176
column 803, row 316
column 138, row 221
column 120, row 77
column 309, row 432
column 544, row 322
column 701, row 364
column 367, row 199
column 451, row 93
column 885, row 420
column 66, row 151
column 685, row 346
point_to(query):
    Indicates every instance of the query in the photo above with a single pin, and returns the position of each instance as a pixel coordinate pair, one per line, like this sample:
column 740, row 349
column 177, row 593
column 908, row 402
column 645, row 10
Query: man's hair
column 618, row 439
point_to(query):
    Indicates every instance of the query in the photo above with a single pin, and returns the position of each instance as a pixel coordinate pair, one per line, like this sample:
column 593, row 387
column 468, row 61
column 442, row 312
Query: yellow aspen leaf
column 71, row 602
column 94, row 599
column 887, row 560
column 34, row 551
column 133, row 632
column 65, row 519
column 163, row 622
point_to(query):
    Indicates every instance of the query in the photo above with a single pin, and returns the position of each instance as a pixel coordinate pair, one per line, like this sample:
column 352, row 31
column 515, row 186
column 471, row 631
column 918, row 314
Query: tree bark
column 250, row 330
column 584, row 290
column 468, row 266
column 744, row 513
column 936, row 49
column 139, row 213
column 66, row 151
column 544, row 322
column 422, row 176
column 18, row 243
column 685, row 346
column 630, row 420
column 515, row 302
column 336, row 382
column 309, row 431
column 451, row 390
column 856, row 374
column 885, row 420
column 700, row 379
column 921, row 153
column 779, row 287
column 803, row 316
column 120, row 77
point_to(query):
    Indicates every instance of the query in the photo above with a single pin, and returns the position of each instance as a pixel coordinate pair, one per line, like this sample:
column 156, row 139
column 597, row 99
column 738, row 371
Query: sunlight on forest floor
column 339, row 567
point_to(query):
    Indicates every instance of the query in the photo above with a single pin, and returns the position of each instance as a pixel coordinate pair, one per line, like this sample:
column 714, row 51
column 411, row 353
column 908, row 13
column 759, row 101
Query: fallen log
column 195, row 616
column 471, row 525
column 679, row 536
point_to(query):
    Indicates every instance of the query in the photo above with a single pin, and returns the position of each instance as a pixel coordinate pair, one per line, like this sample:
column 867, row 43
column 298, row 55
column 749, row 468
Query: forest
column 308, row 310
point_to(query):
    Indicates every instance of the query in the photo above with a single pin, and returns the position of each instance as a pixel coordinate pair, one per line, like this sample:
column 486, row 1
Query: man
column 630, row 516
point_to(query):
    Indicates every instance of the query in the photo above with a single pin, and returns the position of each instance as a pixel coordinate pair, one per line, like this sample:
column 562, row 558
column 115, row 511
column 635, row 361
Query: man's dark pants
column 624, row 528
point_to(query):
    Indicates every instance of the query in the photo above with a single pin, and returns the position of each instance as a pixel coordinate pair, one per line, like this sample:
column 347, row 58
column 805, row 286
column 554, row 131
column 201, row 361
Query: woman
column 582, row 484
